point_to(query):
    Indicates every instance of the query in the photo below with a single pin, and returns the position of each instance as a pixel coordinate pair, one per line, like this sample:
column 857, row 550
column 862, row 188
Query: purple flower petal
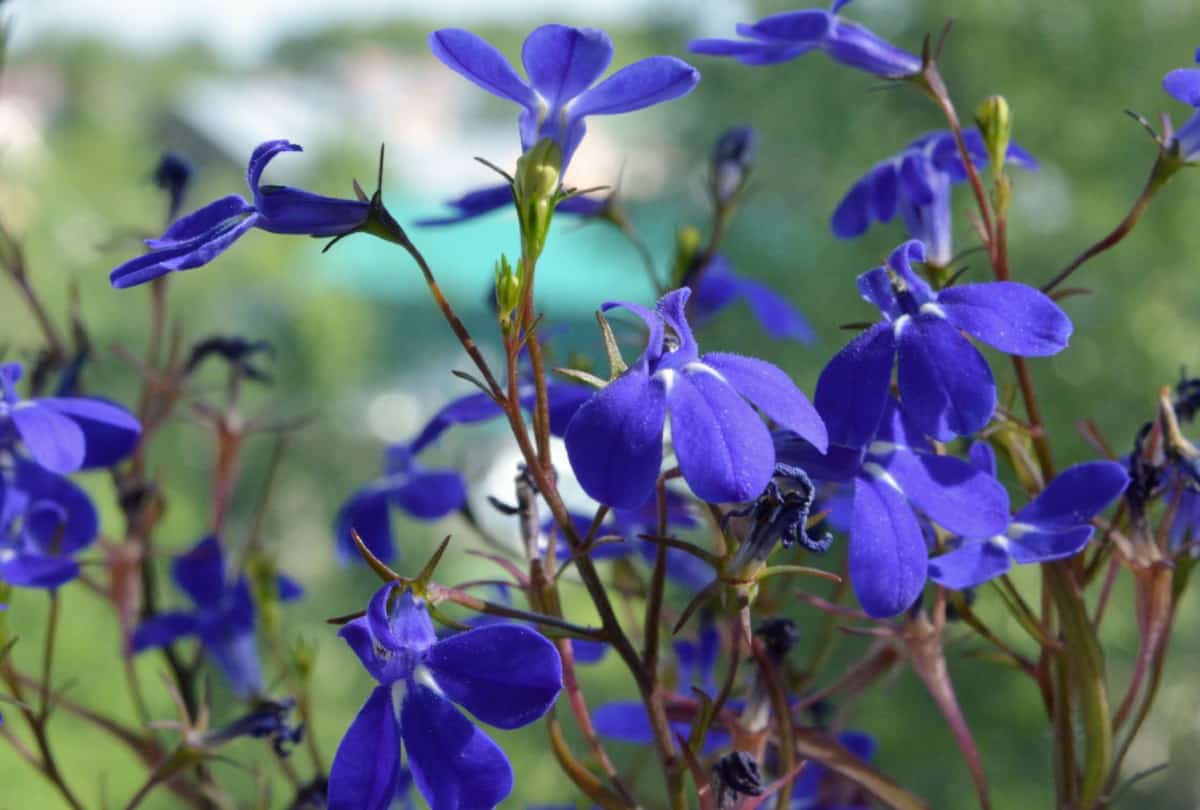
column 236, row 655
column 982, row 457
column 59, row 516
column 614, row 442
column 357, row 634
column 474, row 204
column 885, row 190
column 649, row 81
column 773, row 392
column 288, row 210
column 366, row 767
column 777, row 315
column 887, row 556
column 472, row 57
column 38, row 571
column 1038, row 546
column 807, row 25
column 472, row 408
column 198, row 225
column 454, row 764
column 852, row 217
column 1014, row 318
column 153, row 265
column 724, row 449
column 953, row 493
column 750, row 53
column 838, row 464
column 200, row 572
column 1184, row 85
column 366, row 512
column 430, row 495
column 1075, row 496
column 263, row 154
column 562, row 61
column 406, row 627
column 162, row 630
column 55, row 441
column 858, row 47
column 945, row 384
column 971, row 564
column 654, row 327
column 506, row 675
column 588, row 652
column 110, row 432
column 853, row 387
column 875, row 287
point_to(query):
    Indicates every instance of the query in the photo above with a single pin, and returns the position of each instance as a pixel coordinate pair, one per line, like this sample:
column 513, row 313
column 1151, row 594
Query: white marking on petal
column 932, row 308
column 1000, row 542
column 1018, row 530
column 881, row 448
column 899, row 325
column 880, row 474
column 666, row 377
column 696, row 367
column 424, row 676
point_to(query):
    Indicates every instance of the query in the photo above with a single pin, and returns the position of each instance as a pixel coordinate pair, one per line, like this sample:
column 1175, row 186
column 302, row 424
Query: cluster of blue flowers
column 874, row 451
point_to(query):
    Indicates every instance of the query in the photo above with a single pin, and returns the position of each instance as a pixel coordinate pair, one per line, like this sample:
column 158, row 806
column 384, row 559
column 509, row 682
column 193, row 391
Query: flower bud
column 173, row 174
column 508, row 292
column 687, row 244
column 994, row 120
column 536, row 189
column 732, row 157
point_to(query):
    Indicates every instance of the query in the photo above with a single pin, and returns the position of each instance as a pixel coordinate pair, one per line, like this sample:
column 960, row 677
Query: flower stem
column 1164, row 169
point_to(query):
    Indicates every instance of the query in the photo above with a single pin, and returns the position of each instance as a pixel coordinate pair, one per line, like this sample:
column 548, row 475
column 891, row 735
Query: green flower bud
column 687, row 244
column 508, row 292
column 994, row 120
column 536, row 189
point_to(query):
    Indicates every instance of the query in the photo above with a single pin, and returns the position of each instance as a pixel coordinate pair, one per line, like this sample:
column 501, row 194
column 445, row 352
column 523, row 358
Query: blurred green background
column 94, row 92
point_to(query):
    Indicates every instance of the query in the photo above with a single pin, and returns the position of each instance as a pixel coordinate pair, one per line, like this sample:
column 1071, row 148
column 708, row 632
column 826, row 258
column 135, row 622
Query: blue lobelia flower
column 432, row 494
column 563, row 64
column 1054, row 525
column 724, row 450
column 916, row 182
column 627, row 721
column 721, row 287
column 173, row 174
column 198, row 238
column 492, row 198
column 1183, row 84
column 785, row 36
column 424, row 494
column 946, row 386
column 45, row 520
column 895, row 473
column 506, row 675
column 64, row 434
column 223, row 616
column 731, row 161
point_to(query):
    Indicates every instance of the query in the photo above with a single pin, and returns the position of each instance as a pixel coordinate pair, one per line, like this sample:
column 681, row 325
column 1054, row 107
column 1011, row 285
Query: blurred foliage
column 1068, row 70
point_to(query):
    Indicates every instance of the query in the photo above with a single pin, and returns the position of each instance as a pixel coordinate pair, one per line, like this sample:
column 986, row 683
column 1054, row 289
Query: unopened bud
column 732, row 157
column 536, row 189
column 687, row 244
column 994, row 120
column 508, row 292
